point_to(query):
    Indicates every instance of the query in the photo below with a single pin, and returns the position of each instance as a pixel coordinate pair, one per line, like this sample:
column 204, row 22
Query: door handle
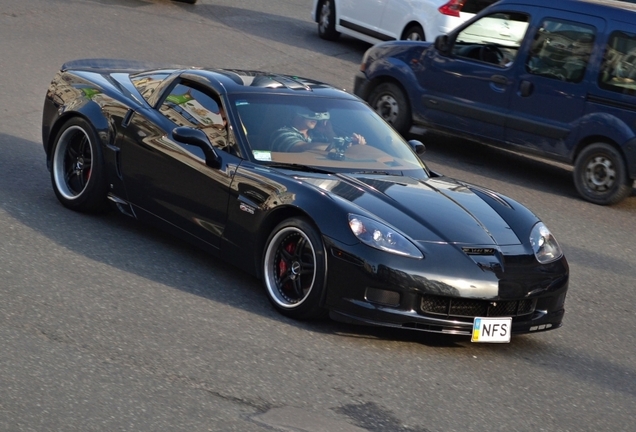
column 499, row 79
column 526, row 88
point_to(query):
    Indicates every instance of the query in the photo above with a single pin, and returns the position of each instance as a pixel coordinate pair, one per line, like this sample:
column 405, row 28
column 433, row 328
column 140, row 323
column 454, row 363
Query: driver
column 307, row 129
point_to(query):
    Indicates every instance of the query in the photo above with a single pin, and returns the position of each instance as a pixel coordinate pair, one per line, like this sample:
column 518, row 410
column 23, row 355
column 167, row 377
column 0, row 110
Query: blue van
column 554, row 79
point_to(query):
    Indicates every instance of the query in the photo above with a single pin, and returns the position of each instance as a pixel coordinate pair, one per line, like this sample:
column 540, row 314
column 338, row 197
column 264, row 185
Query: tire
column 327, row 20
column 294, row 269
column 391, row 103
column 77, row 168
column 600, row 174
column 414, row 33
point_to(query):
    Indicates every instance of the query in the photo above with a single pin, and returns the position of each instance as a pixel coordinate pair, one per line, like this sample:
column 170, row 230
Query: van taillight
column 452, row 8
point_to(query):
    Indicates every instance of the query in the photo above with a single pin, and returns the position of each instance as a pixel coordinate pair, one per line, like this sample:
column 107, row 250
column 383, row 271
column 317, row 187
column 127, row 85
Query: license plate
column 493, row 330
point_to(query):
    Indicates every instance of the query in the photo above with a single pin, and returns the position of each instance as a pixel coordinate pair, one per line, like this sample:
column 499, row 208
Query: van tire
column 390, row 102
column 600, row 174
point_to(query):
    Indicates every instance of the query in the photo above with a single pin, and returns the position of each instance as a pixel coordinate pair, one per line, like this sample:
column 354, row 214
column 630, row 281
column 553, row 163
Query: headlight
column 544, row 245
column 380, row 236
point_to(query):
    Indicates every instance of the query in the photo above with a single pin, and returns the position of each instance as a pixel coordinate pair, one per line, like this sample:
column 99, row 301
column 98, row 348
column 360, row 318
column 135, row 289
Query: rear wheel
column 294, row 269
column 391, row 103
column 600, row 174
column 77, row 168
column 327, row 20
column 414, row 33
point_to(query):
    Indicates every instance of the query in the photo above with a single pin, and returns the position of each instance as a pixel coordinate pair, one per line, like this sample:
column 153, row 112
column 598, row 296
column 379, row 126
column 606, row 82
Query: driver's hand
column 358, row 139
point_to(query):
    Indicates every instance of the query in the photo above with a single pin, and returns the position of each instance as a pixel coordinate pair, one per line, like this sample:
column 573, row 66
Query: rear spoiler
column 117, row 65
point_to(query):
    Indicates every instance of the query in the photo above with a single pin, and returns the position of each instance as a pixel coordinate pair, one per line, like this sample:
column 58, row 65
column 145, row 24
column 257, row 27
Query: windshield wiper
column 378, row 172
column 299, row 167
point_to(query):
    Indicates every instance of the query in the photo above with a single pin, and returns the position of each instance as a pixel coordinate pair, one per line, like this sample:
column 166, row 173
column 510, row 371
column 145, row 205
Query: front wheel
column 327, row 20
column 391, row 103
column 77, row 168
column 294, row 269
column 600, row 175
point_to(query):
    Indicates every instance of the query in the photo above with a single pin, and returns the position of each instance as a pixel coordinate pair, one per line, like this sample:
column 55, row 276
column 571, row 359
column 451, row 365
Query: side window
column 188, row 106
column 147, row 83
column 618, row 70
column 492, row 39
column 561, row 50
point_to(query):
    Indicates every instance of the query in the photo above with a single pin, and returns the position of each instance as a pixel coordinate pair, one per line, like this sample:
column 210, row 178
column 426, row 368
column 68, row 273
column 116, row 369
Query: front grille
column 461, row 307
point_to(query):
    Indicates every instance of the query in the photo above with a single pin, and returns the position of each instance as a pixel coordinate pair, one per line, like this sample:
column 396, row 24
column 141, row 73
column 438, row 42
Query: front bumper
column 361, row 85
column 386, row 290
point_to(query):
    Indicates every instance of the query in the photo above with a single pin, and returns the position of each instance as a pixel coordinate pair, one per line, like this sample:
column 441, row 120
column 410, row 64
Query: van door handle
column 499, row 79
column 525, row 88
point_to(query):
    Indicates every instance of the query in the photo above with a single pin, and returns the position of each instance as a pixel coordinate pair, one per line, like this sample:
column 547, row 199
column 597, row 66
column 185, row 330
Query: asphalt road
column 108, row 325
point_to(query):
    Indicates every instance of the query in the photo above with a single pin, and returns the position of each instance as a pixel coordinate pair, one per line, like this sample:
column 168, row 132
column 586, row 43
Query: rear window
column 475, row 6
column 618, row 70
column 147, row 82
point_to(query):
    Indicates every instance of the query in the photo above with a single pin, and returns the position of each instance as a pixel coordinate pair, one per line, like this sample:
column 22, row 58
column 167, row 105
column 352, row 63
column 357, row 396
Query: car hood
column 437, row 209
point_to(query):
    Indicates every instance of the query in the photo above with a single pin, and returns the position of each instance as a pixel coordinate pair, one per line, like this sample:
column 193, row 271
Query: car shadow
column 133, row 247
column 476, row 159
column 123, row 243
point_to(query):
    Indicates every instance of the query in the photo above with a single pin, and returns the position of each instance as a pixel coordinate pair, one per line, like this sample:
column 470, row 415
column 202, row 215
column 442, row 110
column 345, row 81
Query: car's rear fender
column 89, row 111
column 72, row 95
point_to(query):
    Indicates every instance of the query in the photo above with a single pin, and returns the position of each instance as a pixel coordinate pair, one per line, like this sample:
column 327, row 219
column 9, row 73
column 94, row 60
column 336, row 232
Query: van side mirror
column 198, row 138
column 417, row 147
column 442, row 44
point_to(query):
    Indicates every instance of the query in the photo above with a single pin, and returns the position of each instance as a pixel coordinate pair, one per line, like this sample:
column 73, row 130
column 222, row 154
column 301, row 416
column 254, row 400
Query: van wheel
column 390, row 102
column 327, row 20
column 600, row 175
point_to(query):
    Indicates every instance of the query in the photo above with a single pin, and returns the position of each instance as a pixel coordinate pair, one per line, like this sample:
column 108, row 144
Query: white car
column 375, row 21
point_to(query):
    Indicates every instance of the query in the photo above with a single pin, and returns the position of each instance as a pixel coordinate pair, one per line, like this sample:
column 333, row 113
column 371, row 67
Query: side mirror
column 196, row 137
column 417, row 147
column 442, row 44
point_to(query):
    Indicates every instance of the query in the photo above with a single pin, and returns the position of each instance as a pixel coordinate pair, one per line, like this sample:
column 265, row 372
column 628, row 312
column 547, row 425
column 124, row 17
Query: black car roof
column 232, row 80
column 240, row 81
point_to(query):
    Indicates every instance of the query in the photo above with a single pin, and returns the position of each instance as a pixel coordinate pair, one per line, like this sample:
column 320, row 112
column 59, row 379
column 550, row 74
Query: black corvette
column 359, row 229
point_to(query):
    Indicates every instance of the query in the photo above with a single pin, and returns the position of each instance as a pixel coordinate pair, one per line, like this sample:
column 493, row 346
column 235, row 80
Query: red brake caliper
column 282, row 265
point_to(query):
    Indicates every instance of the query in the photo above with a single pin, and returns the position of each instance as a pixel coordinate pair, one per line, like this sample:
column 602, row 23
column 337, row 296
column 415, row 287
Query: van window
column 561, row 50
column 493, row 38
column 618, row 71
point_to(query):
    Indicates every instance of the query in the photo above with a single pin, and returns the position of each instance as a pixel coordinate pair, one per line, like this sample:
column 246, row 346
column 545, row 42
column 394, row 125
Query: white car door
column 360, row 15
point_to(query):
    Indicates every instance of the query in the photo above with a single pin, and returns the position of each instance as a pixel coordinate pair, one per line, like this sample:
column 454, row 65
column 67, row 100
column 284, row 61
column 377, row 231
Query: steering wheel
column 491, row 53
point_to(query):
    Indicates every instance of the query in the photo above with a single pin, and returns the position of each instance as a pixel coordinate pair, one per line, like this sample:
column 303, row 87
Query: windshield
column 331, row 134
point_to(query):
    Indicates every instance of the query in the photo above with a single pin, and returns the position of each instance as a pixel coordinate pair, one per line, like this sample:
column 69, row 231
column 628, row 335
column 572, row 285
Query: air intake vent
column 459, row 307
column 478, row 251
column 383, row 297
